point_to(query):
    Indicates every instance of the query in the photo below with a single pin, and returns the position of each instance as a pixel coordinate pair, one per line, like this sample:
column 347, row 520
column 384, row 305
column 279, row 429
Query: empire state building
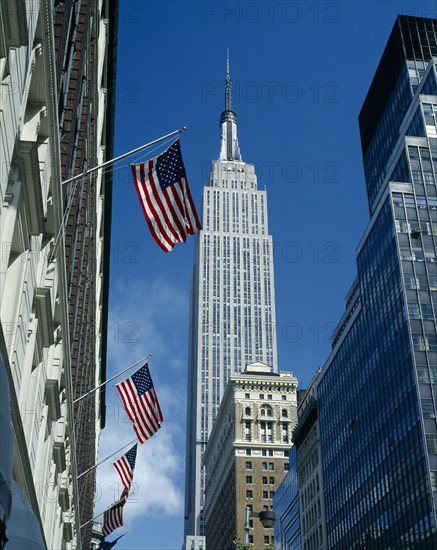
column 232, row 318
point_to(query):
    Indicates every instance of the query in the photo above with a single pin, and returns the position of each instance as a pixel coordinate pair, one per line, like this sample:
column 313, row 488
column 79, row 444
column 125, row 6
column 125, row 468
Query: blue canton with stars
column 142, row 380
column 170, row 166
column 131, row 456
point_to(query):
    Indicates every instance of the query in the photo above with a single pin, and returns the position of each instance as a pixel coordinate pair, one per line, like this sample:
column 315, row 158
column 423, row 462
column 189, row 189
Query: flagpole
column 124, row 155
column 112, row 378
column 90, row 520
column 107, row 458
column 112, row 543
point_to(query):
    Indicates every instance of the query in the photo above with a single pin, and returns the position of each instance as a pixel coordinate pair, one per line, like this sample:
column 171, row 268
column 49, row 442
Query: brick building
column 85, row 41
column 247, row 453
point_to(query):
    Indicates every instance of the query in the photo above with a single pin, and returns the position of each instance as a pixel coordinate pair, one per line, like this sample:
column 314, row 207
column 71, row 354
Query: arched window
column 266, row 410
column 247, row 411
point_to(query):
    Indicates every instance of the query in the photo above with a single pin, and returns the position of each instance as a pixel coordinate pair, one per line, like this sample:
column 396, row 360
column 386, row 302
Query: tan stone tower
column 247, row 453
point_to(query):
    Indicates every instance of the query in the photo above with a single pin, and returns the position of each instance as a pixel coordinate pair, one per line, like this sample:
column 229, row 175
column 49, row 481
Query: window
column 286, row 467
column 287, row 453
column 424, row 154
column 402, row 226
column 249, row 479
column 410, row 281
column 397, row 199
column 428, row 408
column 428, row 178
column 427, row 313
column 264, row 466
column 413, row 151
column 264, row 480
column 247, row 430
column 272, row 494
column 430, row 255
column 247, row 411
column 271, row 466
column 249, row 494
column 247, row 396
column 417, row 176
column 428, row 342
column 429, row 117
column 248, row 452
column 249, row 465
column 417, row 253
column 284, row 413
column 261, row 396
column 431, row 443
column 265, row 494
column 409, row 201
column 434, row 482
column 266, row 431
column 271, row 480
column 421, row 201
column 284, row 432
column 269, row 396
column 284, row 398
column 423, row 374
column 413, row 311
column 266, row 539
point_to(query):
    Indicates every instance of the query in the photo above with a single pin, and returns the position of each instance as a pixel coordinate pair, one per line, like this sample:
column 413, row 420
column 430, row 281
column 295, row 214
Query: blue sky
column 300, row 71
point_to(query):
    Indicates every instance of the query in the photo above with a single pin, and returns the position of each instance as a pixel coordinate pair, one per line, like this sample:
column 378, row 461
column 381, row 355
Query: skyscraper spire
column 232, row 320
column 229, row 149
column 228, row 85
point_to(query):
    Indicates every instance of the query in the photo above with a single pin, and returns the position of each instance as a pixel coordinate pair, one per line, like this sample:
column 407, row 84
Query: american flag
column 125, row 467
column 141, row 404
column 113, row 517
column 165, row 196
column 107, row 545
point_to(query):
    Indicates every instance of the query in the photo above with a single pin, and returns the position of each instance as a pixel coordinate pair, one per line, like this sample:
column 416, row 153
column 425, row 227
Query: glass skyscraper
column 377, row 393
column 232, row 320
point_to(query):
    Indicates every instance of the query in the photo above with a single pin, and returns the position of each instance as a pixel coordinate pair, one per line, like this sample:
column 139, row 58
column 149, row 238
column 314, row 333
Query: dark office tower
column 377, row 394
column 85, row 43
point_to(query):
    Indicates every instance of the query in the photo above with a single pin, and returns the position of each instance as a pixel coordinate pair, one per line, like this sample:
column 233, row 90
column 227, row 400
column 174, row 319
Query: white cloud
column 157, row 471
column 146, row 317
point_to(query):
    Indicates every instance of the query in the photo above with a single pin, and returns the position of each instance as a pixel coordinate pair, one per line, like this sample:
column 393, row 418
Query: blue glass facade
column 377, row 395
column 412, row 43
column 286, row 507
column 374, row 459
column 386, row 135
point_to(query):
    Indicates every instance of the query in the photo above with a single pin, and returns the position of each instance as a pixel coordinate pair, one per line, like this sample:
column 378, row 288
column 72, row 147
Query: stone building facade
column 56, row 120
column 247, row 453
